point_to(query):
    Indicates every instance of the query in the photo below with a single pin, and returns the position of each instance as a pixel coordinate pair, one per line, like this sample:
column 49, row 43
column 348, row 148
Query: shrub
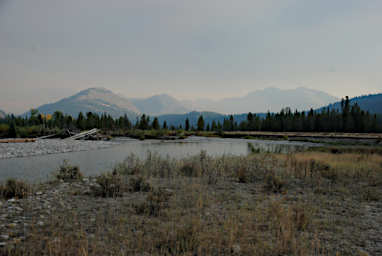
column 301, row 216
column 244, row 175
column 274, row 183
column 67, row 172
column 252, row 149
column 156, row 201
column 110, row 185
column 190, row 170
column 137, row 184
column 14, row 189
column 371, row 194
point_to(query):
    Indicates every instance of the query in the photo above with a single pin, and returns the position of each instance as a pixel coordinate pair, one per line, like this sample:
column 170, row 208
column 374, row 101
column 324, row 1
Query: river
column 95, row 161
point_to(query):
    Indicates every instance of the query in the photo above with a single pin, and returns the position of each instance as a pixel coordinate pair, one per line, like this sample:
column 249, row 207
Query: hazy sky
column 187, row 48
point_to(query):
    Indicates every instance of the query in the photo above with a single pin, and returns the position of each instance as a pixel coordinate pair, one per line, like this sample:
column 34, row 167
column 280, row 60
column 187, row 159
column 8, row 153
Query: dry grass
column 15, row 189
column 66, row 172
column 262, row 204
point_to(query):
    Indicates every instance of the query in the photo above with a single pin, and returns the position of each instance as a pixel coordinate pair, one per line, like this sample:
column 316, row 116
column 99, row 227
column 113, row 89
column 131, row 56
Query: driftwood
column 17, row 140
column 83, row 134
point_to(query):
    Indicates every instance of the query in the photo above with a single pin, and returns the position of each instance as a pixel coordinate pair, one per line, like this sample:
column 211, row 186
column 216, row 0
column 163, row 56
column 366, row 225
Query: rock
column 12, row 200
column 18, row 209
column 5, row 237
column 39, row 193
column 40, row 223
column 11, row 225
column 236, row 249
column 2, row 244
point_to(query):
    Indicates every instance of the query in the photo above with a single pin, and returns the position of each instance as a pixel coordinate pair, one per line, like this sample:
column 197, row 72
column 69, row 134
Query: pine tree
column 200, row 123
column 187, row 125
column 12, row 132
column 155, row 124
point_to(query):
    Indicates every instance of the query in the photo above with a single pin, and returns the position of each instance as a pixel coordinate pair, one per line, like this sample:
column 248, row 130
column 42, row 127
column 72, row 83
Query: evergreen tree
column 155, row 124
column 12, row 132
column 213, row 126
column 81, row 122
column 187, row 124
column 200, row 123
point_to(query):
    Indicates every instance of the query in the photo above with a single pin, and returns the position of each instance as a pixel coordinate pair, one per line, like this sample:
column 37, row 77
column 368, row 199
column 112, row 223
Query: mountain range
column 101, row 100
column 270, row 99
column 175, row 112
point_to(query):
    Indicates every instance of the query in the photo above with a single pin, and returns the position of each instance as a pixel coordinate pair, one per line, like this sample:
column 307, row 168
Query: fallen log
column 17, row 140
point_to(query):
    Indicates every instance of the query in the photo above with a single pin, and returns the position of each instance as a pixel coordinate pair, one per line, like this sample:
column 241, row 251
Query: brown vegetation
column 309, row 203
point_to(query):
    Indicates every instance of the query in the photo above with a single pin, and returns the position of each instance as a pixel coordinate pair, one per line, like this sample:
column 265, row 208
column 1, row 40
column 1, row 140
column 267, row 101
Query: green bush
column 4, row 130
column 14, row 189
column 67, row 172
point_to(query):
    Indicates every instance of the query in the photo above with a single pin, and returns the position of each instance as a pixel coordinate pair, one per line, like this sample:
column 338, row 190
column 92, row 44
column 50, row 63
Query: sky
column 50, row 49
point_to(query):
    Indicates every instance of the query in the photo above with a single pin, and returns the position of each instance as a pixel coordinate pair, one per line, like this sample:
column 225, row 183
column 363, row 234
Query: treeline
column 350, row 118
column 38, row 124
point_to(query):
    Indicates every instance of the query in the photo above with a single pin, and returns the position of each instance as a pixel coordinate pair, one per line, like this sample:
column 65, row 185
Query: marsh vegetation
column 307, row 203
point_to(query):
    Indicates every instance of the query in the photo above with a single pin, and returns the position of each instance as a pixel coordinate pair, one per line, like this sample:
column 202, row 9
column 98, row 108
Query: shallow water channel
column 96, row 161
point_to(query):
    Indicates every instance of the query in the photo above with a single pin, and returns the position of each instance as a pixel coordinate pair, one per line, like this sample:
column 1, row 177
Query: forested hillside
column 371, row 103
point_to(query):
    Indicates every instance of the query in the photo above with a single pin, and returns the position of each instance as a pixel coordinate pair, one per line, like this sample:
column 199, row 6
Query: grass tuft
column 14, row 189
column 67, row 172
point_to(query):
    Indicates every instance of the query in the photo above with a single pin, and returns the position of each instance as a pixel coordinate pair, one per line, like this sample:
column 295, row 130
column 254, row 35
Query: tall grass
column 261, row 204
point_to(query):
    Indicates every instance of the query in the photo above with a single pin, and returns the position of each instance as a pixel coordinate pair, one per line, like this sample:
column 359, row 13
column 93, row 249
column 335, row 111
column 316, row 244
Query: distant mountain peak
column 97, row 100
column 160, row 104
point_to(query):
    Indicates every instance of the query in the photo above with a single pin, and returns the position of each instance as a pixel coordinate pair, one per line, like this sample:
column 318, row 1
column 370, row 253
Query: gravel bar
column 50, row 146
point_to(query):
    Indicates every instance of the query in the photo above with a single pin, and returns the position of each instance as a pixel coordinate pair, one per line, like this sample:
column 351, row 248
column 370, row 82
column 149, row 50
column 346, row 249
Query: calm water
column 41, row 168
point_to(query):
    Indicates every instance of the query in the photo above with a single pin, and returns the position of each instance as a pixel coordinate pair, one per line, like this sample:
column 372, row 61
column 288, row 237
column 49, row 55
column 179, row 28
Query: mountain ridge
column 370, row 102
column 159, row 104
column 271, row 99
column 102, row 100
column 97, row 100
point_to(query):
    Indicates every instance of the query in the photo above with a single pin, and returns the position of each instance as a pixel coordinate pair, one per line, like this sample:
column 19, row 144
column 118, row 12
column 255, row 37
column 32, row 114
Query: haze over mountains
column 269, row 99
column 101, row 100
column 159, row 105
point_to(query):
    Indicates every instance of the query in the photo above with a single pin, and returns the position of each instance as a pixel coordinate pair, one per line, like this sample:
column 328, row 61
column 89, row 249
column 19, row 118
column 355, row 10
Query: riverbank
column 50, row 146
column 305, row 203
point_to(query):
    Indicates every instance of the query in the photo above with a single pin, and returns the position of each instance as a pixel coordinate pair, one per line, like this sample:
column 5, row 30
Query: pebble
column 53, row 146
column 12, row 200
column 18, row 209
column 11, row 225
column 5, row 237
